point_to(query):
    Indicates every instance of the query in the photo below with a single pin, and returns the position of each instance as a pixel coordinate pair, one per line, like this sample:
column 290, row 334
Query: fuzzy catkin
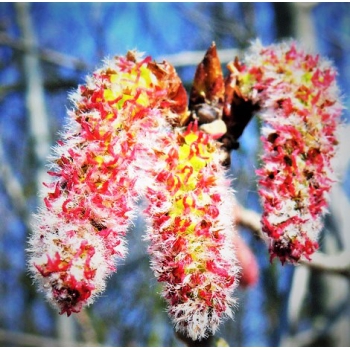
column 120, row 144
column 97, row 171
column 191, row 233
column 300, row 111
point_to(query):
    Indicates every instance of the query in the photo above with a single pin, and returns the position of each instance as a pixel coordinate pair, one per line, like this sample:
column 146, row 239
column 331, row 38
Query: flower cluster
column 190, row 219
column 124, row 141
column 300, row 110
column 98, row 177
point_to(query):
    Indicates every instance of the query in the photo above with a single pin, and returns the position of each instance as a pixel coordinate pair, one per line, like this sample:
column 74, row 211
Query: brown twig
column 88, row 330
column 207, row 342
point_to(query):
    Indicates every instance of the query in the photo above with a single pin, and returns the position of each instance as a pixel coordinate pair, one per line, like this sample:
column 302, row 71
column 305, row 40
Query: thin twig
column 250, row 219
column 324, row 325
column 48, row 55
column 49, row 85
column 338, row 264
column 185, row 58
column 39, row 127
column 13, row 188
column 88, row 330
column 192, row 58
column 25, row 339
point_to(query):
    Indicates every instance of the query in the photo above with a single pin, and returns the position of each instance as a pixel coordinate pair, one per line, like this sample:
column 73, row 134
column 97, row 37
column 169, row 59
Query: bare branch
column 49, row 85
column 338, row 264
column 38, row 122
column 185, row 58
column 35, row 97
column 207, row 342
column 192, row 58
column 249, row 219
column 303, row 338
column 13, row 188
column 304, row 24
column 25, row 339
column 47, row 55
column 88, row 331
column 323, row 326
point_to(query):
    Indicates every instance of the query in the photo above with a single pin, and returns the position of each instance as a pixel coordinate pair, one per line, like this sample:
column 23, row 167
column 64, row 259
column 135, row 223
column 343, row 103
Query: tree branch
column 249, row 219
column 337, row 264
column 50, row 85
column 191, row 58
column 185, row 58
column 47, row 55
column 25, row 339
column 39, row 127
column 88, row 330
column 207, row 342
column 13, row 188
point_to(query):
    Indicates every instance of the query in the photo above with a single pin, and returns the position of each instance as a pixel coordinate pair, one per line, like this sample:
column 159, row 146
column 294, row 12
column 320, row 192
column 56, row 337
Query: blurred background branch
column 47, row 55
column 337, row 263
